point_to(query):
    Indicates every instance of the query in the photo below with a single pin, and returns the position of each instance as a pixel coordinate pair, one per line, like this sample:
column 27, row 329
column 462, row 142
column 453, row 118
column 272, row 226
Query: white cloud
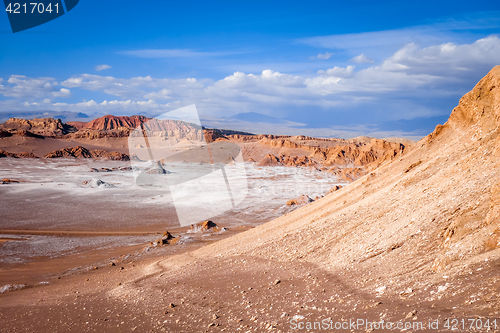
column 135, row 87
column 102, row 67
column 162, row 94
column 324, row 56
column 338, row 71
column 20, row 86
column 63, row 92
column 117, row 107
column 445, row 59
column 391, row 90
column 362, row 59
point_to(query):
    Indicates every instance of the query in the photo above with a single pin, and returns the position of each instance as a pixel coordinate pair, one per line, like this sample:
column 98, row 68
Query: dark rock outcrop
column 82, row 152
column 25, row 154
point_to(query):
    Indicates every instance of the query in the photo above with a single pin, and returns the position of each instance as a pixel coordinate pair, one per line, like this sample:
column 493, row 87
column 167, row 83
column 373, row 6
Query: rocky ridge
column 348, row 159
column 82, row 152
column 46, row 127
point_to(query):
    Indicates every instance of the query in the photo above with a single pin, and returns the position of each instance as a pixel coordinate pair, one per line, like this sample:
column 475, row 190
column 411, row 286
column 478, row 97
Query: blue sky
column 320, row 68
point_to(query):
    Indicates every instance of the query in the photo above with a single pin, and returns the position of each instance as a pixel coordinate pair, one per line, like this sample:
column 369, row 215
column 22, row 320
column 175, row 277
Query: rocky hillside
column 110, row 122
column 414, row 241
column 82, row 152
column 341, row 153
column 47, row 127
column 432, row 210
column 349, row 159
column 121, row 127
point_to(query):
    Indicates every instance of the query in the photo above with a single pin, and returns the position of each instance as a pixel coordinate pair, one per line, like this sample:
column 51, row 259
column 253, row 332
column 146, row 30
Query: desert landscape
column 53, row 170
column 335, row 235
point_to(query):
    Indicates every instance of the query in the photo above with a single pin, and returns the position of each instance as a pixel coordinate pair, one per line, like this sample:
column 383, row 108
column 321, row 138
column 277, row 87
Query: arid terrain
column 413, row 241
column 52, row 170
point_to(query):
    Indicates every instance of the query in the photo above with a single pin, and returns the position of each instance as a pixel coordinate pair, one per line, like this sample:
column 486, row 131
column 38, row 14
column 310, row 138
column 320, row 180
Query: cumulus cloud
column 362, row 59
column 338, row 71
column 135, row 87
column 324, row 56
column 63, row 92
column 390, row 90
column 20, row 86
column 162, row 94
column 445, row 59
column 102, row 67
column 117, row 106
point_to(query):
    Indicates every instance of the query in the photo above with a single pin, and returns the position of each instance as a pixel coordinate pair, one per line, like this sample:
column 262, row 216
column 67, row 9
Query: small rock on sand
column 167, row 236
column 9, row 181
column 203, row 226
column 96, row 183
column 302, row 200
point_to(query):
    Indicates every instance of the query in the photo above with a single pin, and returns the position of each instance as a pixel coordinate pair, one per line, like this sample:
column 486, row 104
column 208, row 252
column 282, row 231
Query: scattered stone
column 157, row 169
column 335, row 188
column 100, row 170
column 302, row 200
column 9, row 181
column 223, row 229
column 408, row 291
column 408, row 169
column 411, row 314
column 167, row 236
column 172, row 305
column 381, row 289
column 96, row 183
column 203, row 226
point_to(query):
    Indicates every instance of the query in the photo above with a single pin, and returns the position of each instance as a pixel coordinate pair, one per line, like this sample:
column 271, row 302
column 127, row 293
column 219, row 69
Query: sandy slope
column 414, row 240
